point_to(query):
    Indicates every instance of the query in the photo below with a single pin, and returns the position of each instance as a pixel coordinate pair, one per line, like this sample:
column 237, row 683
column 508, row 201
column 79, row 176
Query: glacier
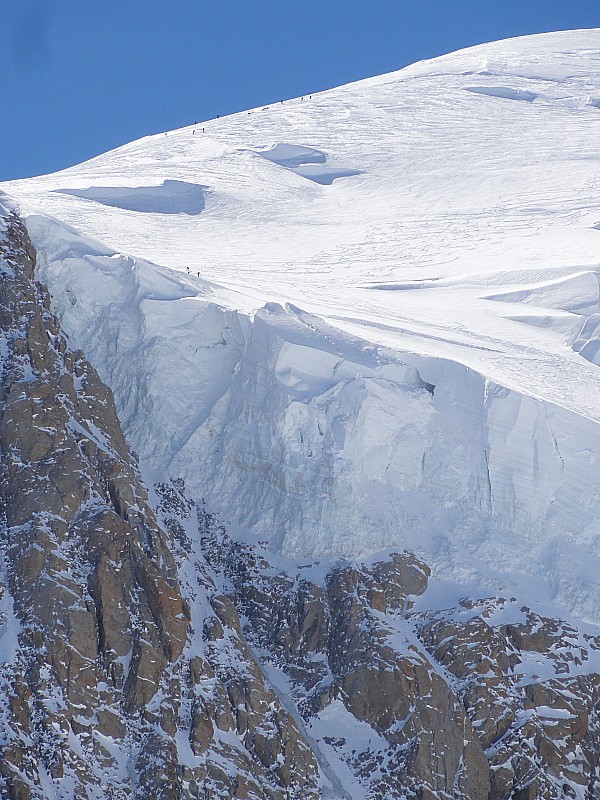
column 371, row 322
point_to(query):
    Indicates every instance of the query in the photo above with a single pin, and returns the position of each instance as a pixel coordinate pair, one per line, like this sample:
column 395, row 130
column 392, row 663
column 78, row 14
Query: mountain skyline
column 79, row 80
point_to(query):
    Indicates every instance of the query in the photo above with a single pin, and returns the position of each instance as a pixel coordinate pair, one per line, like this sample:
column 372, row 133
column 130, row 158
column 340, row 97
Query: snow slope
column 366, row 318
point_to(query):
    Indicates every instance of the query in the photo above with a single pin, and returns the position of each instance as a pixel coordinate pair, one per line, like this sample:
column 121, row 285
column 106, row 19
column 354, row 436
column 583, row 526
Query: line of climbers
column 266, row 108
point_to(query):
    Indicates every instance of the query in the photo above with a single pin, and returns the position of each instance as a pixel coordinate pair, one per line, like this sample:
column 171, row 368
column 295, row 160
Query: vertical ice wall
column 323, row 443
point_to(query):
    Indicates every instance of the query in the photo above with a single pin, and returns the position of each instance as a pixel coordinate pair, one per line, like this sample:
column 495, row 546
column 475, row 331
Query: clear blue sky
column 81, row 77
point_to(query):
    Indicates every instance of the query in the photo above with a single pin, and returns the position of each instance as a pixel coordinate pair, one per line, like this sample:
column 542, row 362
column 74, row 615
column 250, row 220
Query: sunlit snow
column 382, row 330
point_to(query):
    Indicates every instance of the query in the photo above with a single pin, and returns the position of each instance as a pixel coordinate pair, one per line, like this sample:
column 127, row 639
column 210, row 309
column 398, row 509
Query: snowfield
column 365, row 319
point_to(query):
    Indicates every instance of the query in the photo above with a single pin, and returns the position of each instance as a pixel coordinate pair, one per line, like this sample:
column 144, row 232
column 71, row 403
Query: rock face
column 347, row 648
column 148, row 654
column 460, row 703
column 540, row 734
column 89, row 583
column 109, row 692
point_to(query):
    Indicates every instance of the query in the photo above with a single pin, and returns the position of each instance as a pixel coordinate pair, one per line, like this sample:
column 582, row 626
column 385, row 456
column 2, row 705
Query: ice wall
column 326, row 444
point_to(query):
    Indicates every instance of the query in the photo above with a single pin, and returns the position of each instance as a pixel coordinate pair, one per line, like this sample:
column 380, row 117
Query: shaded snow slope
column 382, row 328
column 172, row 197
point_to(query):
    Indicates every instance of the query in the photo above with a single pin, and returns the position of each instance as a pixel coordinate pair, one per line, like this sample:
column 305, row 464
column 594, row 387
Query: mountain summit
column 347, row 492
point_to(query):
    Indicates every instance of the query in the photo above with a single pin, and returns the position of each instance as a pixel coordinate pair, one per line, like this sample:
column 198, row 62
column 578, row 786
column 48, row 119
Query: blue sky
column 81, row 77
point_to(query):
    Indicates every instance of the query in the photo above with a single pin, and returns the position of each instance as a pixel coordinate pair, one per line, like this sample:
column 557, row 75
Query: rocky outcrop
column 458, row 704
column 532, row 701
column 240, row 739
column 347, row 643
column 89, row 583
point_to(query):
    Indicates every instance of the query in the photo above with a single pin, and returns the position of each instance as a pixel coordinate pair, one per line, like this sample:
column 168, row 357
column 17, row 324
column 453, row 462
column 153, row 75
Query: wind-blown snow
column 306, row 162
column 172, row 197
column 382, row 330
